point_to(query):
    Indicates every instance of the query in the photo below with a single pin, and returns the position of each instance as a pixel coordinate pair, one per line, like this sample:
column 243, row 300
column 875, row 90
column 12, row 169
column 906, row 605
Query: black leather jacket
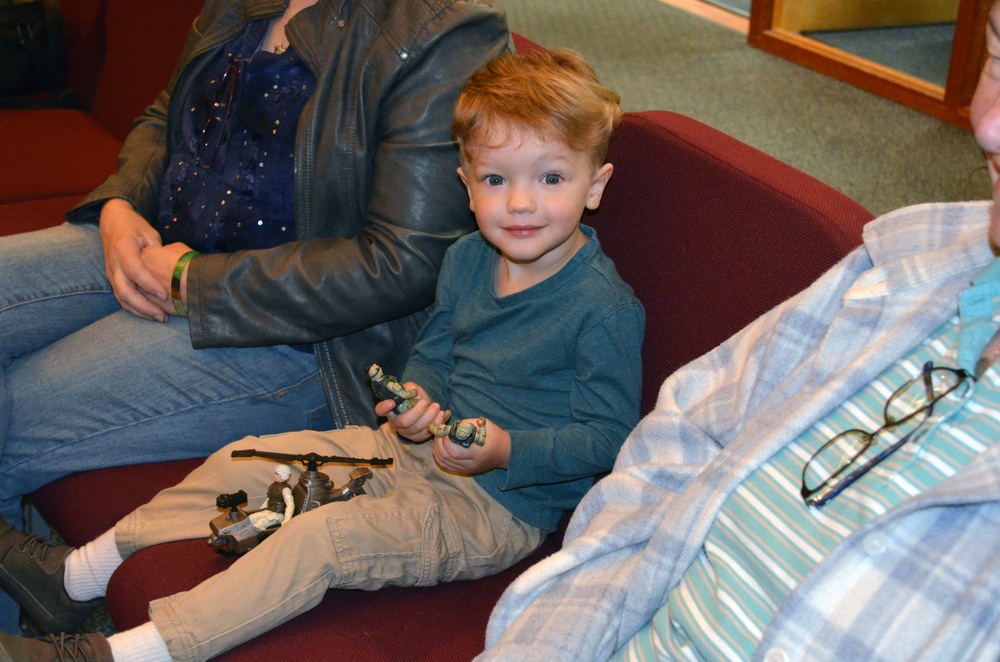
column 377, row 196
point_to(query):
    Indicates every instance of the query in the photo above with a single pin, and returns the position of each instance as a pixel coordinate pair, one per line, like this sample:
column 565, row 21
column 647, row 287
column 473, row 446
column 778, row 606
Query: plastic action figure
column 279, row 506
column 462, row 433
column 387, row 387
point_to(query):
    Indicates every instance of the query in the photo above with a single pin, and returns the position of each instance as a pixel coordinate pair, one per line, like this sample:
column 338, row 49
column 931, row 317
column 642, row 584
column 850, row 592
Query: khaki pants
column 417, row 526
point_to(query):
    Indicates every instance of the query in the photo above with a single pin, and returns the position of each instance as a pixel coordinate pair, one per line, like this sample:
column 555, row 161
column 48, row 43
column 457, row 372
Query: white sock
column 141, row 644
column 89, row 568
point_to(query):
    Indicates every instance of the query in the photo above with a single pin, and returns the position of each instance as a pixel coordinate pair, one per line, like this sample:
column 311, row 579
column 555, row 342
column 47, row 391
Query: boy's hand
column 475, row 459
column 413, row 423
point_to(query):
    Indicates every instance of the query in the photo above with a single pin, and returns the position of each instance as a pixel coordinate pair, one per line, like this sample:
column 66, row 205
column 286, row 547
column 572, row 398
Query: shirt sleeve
column 432, row 360
column 604, row 407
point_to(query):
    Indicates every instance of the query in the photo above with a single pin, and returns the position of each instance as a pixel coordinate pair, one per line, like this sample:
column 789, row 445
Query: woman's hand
column 413, row 423
column 494, row 454
column 160, row 261
column 124, row 234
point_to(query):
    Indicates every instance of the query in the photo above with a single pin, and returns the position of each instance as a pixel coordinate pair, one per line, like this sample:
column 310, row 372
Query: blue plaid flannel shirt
column 919, row 583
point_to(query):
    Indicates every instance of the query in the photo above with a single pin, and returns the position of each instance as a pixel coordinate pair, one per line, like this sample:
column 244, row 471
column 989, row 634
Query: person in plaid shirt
column 709, row 539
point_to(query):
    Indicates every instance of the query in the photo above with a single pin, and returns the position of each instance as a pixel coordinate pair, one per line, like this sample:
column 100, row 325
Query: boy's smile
column 528, row 196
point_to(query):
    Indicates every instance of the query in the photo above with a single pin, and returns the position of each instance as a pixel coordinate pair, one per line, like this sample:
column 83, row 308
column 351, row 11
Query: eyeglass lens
column 914, row 395
column 838, row 455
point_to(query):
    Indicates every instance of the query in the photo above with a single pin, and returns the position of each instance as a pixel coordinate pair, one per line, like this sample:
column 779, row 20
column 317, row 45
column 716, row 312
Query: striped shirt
column 765, row 540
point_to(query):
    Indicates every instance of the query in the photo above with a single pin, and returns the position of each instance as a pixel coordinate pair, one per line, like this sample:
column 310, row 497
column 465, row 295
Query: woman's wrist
column 175, row 283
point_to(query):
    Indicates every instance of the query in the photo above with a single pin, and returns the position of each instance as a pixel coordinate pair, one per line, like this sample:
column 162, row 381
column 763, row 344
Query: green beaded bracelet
column 175, row 283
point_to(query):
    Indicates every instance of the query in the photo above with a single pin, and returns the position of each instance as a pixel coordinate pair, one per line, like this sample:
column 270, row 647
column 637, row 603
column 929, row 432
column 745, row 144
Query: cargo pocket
column 499, row 546
column 401, row 547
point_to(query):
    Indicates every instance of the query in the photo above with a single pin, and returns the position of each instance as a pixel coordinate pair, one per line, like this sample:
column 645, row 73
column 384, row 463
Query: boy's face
column 529, row 195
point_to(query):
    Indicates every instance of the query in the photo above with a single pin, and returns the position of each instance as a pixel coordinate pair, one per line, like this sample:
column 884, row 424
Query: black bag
column 32, row 51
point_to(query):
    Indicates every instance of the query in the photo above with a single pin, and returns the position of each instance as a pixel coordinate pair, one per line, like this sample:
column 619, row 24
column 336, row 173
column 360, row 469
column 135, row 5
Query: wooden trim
column 867, row 75
column 968, row 52
column 950, row 103
column 726, row 19
column 807, row 15
column 849, row 63
column 761, row 16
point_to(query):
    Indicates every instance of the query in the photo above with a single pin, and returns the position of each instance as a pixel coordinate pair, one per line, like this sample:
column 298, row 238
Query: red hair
column 554, row 95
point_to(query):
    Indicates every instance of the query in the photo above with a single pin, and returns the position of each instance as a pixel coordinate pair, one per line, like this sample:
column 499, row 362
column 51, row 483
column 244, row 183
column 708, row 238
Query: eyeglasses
column 218, row 117
column 836, row 464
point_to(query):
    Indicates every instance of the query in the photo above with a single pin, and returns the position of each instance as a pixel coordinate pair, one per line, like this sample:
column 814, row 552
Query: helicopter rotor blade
column 312, row 459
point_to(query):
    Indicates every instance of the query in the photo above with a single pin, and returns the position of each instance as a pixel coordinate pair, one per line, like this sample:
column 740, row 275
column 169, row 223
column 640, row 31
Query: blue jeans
column 85, row 385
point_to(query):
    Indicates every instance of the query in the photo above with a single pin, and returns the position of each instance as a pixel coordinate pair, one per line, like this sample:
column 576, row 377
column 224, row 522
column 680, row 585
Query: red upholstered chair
column 120, row 54
column 522, row 43
column 711, row 233
column 132, row 76
column 58, row 140
column 708, row 231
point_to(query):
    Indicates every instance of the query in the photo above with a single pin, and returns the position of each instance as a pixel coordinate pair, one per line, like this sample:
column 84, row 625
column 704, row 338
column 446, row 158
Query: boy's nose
column 520, row 201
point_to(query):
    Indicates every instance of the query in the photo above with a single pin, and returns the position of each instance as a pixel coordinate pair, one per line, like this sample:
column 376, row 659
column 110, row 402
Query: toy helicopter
column 234, row 533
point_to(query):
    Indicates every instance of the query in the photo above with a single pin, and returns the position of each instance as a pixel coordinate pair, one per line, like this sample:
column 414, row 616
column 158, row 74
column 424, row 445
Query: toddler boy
column 533, row 331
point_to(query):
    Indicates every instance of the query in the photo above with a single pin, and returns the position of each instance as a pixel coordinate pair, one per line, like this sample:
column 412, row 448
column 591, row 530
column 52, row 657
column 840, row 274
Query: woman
column 326, row 125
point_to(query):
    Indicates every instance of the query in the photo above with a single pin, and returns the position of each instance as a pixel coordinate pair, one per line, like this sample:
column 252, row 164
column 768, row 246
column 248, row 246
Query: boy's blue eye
column 552, row 178
column 494, row 180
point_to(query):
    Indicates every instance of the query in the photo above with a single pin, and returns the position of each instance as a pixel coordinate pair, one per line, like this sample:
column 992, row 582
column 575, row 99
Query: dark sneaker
column 31, row 572
column 55, row 648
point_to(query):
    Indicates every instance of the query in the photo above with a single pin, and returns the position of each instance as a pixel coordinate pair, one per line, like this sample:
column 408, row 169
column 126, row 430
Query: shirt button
column 875, row 543
column 776, row 655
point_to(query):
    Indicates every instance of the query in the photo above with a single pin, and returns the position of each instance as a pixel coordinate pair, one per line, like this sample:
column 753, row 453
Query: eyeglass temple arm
column 928, row 380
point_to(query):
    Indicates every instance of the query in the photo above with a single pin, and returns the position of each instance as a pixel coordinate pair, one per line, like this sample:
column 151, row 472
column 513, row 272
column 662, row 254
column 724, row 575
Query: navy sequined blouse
column 230, row 186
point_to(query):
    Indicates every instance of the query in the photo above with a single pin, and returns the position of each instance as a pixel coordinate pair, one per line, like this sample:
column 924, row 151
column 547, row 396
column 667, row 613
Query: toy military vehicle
column 234, row 532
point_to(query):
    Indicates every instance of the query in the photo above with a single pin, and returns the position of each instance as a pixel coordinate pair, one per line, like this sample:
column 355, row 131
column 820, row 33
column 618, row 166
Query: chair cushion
column 394, row 621
column 53, row 152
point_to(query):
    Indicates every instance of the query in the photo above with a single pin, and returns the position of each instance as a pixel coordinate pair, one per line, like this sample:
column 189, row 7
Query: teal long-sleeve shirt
column 557, row 365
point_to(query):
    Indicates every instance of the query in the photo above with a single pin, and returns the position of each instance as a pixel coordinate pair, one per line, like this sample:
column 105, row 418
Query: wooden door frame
column 950, row 103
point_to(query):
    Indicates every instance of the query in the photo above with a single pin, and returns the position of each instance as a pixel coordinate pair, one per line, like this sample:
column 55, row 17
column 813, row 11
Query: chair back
column 711, row 233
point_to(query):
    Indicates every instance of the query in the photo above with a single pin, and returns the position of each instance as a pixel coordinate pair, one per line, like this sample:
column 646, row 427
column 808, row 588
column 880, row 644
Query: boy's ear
column 601, row 178
column 465, row 181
